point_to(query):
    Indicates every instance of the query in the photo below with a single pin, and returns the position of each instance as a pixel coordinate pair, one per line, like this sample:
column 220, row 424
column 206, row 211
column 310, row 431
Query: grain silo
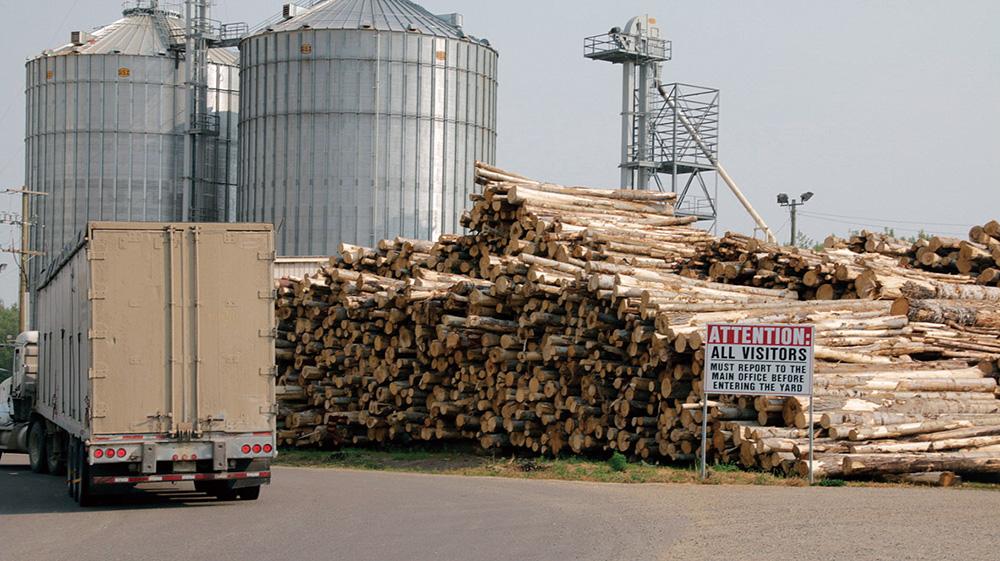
column 112, row 133
column 361, row 120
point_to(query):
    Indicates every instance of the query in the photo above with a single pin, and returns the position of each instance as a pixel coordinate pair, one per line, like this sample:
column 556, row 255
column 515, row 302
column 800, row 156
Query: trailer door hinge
column 266, row 255
column 271, row 333
column 96, row 251
column 97, row 374
column 269, row 372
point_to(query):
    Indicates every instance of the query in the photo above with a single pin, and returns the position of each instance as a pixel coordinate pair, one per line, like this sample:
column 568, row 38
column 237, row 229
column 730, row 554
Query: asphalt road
column 308, row 514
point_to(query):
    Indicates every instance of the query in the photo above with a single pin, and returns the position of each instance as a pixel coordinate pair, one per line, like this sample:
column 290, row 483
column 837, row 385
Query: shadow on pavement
column 23, row 492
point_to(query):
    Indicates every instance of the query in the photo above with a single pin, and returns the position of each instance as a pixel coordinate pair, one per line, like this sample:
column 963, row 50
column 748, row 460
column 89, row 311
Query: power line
column 873, row 224
column 819, row 214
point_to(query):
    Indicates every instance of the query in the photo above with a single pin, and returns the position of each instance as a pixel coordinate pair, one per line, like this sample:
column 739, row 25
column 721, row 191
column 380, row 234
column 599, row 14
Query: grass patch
column 607, row 469
column 830, row 483
column 614, row 469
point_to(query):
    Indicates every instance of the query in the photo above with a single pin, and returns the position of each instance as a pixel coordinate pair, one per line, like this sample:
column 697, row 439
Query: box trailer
column 155, row 361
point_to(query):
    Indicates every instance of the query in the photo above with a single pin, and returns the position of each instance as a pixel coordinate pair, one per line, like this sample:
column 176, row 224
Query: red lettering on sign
column 761, row 335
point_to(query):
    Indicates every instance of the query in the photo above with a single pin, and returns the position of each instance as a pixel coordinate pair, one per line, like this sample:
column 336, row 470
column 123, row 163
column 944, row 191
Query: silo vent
column 452, row 19
column 289, row 11
column 80, row 38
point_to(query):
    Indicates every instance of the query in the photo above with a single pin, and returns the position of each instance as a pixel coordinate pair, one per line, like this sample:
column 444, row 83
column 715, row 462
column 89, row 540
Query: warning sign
column 759, row 359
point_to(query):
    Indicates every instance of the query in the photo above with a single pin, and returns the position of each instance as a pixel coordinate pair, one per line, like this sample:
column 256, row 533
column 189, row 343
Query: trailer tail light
column 246, row 449
column 98, row 453
column 268, row 448
column 110, row 452
column 257, row 448
column 121, row 453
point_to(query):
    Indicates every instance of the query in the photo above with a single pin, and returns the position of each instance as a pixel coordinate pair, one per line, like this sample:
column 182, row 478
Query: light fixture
column 791, row 204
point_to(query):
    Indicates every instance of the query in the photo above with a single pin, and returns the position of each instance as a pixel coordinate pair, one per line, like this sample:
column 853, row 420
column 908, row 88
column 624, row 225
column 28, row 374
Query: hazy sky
column 887, row 110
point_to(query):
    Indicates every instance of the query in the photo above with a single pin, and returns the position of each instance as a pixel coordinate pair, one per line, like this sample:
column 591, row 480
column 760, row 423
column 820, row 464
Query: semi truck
column 152, row 360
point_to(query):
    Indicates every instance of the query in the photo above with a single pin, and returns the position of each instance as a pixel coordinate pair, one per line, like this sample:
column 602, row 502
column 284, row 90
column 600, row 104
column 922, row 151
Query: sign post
column 758, row 359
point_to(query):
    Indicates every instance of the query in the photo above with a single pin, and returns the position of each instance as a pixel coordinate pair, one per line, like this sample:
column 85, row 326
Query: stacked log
column 978, row 256
column 866, row 241
column 572, row 321
column 982, row 252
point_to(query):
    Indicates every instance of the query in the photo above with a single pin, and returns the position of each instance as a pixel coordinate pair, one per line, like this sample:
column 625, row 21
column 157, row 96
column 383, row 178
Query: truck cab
column 17, row 394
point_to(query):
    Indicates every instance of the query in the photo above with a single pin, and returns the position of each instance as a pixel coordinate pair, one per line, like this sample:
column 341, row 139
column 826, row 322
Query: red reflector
column 256, row 448
column 98, row 453
column 184, row 457
column 194, row 456
column 267, row 448
column 176, row 457
column 246, row 448
column 121, row 452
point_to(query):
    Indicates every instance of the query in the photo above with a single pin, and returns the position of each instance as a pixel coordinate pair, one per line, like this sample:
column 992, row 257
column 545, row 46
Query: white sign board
column 774, row 360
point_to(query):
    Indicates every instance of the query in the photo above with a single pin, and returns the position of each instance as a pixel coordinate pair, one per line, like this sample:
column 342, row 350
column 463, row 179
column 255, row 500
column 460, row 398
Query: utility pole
column 24, row 222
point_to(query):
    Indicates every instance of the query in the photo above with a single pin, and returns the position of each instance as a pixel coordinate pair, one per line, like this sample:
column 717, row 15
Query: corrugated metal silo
column 105, row 133
column 361, row 120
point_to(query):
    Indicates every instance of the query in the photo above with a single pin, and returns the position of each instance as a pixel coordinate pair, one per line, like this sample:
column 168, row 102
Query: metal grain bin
column 361, row 121
column 106, row 119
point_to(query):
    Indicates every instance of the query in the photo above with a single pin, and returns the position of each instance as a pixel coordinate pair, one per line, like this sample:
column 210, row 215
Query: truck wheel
column 72, row 471
column 36, row 448
column 218, row 489
column 55, row 454
column 84, row 496
column 249, row 493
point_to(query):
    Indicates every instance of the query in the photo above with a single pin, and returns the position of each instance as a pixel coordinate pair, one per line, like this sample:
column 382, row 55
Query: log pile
column 977, row 257
column 573, row 320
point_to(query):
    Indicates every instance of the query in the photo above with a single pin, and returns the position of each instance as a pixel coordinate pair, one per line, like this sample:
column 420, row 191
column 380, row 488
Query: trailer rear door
column 181, row 328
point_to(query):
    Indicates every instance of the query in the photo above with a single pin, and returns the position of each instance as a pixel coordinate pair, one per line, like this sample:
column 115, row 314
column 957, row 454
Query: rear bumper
column 244, row 479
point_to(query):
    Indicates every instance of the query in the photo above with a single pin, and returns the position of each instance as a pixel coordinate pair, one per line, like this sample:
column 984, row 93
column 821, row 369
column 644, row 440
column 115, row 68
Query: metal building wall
column 105, row 139
column 356, row 135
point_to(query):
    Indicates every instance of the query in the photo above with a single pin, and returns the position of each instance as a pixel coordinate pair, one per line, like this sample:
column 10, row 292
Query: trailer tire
column 84, row 496
column 55, row 454
column 73, row 470
column 249, row 493
column 36, row 448
column 226, row 494
column 218, row 489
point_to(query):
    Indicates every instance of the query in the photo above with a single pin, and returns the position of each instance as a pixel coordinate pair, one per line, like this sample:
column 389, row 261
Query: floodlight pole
column 783, row 200
column 794, row 231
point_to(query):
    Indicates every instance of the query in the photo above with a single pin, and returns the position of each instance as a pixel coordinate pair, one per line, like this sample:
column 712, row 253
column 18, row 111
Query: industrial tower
column 659, row 149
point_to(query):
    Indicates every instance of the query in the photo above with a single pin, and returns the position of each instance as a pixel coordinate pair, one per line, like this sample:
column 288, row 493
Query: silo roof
column 140, row 33
column 383, row 15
